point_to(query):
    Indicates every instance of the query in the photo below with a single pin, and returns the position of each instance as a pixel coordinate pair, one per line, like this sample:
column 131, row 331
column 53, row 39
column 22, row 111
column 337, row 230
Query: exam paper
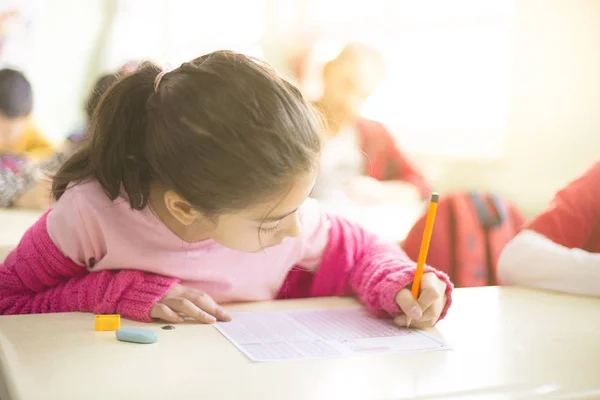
column 303, row 334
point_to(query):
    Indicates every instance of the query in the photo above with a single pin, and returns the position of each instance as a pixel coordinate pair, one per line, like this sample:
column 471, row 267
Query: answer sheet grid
column 301, row 334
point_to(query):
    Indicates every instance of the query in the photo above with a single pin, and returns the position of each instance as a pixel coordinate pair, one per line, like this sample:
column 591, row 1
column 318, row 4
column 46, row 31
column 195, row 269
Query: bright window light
column 447, row 87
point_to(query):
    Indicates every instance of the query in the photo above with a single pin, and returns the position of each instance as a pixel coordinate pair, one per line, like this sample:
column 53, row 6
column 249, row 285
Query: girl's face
column 264, row 225
column 347, row 84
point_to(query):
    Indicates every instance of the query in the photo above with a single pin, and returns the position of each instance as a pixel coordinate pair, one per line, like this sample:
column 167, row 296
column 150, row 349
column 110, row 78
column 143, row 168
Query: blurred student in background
column 102, row 84
column 18, row 134
column 27, row 164
column 359, row 153
column 22, row 185
column 24, row 152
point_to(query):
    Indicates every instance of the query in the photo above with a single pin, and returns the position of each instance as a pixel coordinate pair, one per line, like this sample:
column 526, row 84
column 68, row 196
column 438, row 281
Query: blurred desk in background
column 13, row 224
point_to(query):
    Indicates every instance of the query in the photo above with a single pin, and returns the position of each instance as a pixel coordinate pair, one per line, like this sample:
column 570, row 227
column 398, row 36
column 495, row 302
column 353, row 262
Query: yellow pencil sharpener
column 110, row 322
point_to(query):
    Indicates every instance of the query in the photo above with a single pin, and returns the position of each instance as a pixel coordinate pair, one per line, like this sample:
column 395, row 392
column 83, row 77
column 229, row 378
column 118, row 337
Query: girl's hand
column 424, row 312
column 183, row 301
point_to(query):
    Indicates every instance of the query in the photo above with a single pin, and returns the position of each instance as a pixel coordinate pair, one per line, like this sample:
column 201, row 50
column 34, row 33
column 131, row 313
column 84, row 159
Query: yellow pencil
column 425, row 244
column 424, row 249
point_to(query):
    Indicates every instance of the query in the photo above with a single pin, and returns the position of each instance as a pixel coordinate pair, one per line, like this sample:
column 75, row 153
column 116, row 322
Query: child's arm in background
column 37, row 278
column 533, row 260
column 547, row 254
column 344, row 259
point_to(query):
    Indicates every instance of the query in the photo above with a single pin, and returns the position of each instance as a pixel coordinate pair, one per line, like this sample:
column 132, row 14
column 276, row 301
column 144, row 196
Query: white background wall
column 553, row 130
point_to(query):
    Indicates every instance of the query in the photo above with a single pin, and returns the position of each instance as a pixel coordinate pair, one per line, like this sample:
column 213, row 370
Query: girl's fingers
column 427, row 320
column 186, row 307
column 424, row 312
column 208, row 305
column 432, row 288
column 422, row 324
column 401, row 321
column 163, row 312
column 433, row 312
column 430, row 291
column 408, row 304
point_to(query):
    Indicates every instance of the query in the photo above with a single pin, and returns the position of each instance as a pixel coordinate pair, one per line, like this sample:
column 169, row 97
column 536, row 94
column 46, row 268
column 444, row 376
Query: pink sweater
column 92, row 255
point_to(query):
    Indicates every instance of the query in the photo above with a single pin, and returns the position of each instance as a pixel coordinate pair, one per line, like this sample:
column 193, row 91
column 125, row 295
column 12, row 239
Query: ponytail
column 113, row 153
column 223, row 132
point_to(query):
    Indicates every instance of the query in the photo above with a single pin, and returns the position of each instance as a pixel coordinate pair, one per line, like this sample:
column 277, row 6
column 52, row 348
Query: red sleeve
column 37, row 278
column 359, row 263
column 395, row 165
column 573, row 213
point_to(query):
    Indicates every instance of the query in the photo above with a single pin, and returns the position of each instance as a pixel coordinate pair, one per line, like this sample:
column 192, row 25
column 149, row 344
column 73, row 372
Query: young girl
column 192, row 193
column 559, row 249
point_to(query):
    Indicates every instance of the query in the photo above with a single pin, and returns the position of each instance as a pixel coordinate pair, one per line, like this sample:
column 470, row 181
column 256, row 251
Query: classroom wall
column 553, row 131
column 67, row 43
column 71, row 40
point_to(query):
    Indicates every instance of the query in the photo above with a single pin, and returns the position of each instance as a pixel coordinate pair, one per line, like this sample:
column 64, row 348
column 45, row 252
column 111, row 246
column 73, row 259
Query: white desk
column 13, row 224
column 507, row 343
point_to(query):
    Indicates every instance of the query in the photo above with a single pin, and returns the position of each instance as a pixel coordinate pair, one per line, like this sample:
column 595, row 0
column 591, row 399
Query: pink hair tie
column 159, row 78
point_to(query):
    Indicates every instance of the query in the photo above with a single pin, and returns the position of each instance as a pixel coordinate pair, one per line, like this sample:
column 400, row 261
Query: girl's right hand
column 183, row 301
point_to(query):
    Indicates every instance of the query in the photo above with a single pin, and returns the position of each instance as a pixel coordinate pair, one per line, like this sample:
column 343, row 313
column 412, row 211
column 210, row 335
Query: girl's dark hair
column 100, row 87
column 223, row 131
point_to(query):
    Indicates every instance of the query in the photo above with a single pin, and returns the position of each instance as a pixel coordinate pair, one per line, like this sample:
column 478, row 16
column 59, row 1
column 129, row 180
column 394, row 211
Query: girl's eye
column 269, row 230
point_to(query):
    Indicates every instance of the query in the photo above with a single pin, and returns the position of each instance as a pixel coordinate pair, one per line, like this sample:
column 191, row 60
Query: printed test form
column 303, row 334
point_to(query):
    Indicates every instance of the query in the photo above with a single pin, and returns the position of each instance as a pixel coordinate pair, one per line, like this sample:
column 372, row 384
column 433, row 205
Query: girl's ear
column 180, row 209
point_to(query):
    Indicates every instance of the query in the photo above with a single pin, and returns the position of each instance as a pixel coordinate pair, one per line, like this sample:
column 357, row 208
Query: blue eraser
column 136, row 335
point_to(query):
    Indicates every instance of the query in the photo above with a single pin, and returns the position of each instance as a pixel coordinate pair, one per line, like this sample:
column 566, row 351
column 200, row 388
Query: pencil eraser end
column 435, row 197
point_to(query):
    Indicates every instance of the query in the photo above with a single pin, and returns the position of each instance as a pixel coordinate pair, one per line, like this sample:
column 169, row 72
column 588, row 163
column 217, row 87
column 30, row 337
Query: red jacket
column 383, row 159
column 573, row 217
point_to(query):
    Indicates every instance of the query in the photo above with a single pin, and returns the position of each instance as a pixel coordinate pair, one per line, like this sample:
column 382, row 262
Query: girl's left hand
column 426, row 310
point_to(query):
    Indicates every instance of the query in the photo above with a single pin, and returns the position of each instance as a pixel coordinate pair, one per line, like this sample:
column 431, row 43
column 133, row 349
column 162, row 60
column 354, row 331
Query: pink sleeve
column 315, row 228
column 69, row 228
column 37, row 278
column 357, row 262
